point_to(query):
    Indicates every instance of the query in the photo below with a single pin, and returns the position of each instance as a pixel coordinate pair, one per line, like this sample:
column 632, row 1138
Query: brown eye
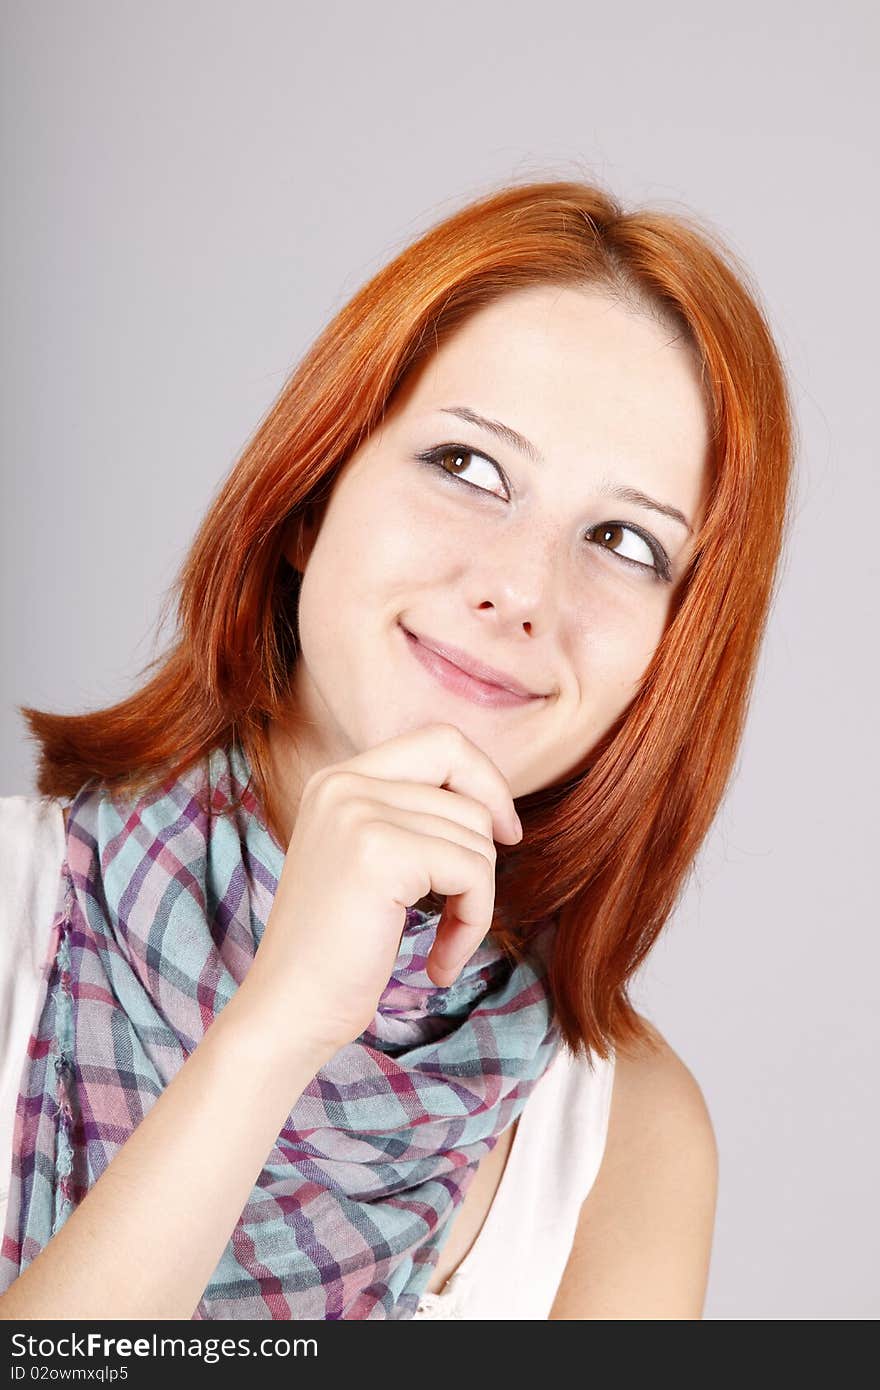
column 626, row 542
column 464, row 462
column 457, row 459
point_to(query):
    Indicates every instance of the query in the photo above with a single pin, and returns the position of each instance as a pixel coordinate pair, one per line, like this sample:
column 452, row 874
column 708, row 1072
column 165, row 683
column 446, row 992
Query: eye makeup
column 434, row 459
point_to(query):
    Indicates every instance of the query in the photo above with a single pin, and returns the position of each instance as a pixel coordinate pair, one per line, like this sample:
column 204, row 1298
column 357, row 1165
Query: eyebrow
column 518, row 441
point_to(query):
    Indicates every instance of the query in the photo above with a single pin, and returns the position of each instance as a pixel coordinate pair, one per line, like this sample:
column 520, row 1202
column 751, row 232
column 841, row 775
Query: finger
column 433, row 826
column 440, row 754
column 424, row 799
column 464, row 876
column 453, row 947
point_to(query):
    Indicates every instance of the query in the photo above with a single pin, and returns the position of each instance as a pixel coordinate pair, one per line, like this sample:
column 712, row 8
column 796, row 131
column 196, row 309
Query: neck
column 289, row 770
column 305, row 739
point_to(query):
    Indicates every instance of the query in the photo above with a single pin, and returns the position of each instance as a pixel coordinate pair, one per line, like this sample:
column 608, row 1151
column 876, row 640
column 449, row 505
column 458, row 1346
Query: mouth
column 472, row 680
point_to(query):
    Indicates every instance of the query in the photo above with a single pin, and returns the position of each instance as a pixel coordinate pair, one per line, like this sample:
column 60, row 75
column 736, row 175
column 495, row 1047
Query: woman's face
column 528, row 559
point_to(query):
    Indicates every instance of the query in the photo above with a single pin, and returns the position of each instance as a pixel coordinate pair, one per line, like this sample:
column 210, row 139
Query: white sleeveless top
column 513, row 1268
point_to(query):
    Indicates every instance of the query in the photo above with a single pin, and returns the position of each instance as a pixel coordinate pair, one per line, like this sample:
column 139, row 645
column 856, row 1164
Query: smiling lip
column 459, row 672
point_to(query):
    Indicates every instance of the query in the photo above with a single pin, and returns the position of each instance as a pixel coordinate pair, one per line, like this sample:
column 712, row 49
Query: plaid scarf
column 161, row 907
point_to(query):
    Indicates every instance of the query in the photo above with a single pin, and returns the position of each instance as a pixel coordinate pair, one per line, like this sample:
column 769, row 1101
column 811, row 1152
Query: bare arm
column 417, row 812
column 147, row 1237
column 643, row 1242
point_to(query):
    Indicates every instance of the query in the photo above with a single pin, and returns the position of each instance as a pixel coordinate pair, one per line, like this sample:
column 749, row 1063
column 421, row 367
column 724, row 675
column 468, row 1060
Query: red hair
column 609, row 851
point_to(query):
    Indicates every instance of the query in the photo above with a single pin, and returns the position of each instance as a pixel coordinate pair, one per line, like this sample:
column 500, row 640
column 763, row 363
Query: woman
column 550, row 443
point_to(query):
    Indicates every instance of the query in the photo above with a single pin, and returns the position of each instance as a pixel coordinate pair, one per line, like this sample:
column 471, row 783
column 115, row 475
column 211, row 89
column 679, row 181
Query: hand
column 373, row 835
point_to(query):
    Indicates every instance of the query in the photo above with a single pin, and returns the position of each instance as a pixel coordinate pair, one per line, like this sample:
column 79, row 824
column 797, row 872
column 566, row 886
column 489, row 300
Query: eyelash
column 432, row 458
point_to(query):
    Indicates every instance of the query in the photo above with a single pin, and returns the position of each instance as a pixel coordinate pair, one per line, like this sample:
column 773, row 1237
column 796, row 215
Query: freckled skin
column 603, row 393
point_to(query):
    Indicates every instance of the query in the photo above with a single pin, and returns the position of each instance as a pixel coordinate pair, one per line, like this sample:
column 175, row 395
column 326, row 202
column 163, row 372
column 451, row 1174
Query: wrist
column 285, row 1040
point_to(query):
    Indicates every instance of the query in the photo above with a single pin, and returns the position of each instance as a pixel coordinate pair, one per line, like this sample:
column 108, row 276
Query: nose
column 512, row 580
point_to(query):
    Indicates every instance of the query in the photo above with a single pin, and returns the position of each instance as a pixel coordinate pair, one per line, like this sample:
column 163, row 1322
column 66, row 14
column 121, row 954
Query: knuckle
column 371, row 840
column 419, row 883
column 331, row 783
column 451, row 733
column 484, row 816
column 478, row 863
column 347, row 817
column 487, row 850
column 355, row 808
column 314, row 782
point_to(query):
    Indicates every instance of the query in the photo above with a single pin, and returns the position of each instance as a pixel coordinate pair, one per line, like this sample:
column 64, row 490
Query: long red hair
column 609, row 851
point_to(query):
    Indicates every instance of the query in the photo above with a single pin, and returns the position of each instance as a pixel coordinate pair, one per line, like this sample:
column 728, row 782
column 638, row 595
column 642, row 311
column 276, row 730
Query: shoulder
column 643, row 1241
column 657, row 1103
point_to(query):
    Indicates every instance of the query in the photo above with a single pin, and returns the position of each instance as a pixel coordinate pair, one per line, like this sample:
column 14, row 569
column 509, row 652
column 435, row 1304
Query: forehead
column 591, row 382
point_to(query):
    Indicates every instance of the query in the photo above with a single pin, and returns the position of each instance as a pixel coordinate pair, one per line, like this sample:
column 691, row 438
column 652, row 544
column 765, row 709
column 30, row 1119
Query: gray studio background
column 191, row 190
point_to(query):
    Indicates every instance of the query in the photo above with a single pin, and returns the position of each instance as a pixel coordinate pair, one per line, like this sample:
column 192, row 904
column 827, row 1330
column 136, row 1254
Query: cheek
column 615, row 644
column 390, row 542
column 373, row 547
